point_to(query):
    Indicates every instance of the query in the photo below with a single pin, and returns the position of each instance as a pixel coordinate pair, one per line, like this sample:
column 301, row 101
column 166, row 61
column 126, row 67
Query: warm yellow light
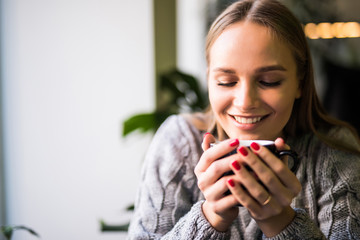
column 310, row 31
column 324, row 30
column 327, row 30
column 337, row 30
column 352, row 29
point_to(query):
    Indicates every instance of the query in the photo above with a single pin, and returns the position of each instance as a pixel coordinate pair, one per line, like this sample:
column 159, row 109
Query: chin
column 244, row 136
column 251, row 135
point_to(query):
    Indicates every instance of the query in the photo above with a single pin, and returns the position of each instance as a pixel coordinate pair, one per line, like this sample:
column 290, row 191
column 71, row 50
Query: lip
column 248, row 122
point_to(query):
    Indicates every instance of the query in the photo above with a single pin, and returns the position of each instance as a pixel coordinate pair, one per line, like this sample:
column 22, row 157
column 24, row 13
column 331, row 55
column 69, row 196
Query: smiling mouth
column 248, row 120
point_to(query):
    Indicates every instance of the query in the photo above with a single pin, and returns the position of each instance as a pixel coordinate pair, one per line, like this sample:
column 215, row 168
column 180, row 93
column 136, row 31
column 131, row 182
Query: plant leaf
column 130, row 208
column 7, row 231
column 143, row 122
column 27, row 229
column 113, row 228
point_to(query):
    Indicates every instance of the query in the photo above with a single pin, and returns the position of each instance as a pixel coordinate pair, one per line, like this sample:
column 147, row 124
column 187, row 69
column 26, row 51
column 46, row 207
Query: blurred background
column 73, row 71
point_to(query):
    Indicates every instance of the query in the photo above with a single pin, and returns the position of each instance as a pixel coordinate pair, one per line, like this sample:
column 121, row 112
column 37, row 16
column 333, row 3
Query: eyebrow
column 258, row 70
column 270, row 68
column 224, row 70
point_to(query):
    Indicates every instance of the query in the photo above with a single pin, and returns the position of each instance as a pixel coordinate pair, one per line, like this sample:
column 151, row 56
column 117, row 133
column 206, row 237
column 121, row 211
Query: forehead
column 247, row 43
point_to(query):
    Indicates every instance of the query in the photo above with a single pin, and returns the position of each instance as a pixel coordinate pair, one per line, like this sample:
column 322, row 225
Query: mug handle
column 293, row 161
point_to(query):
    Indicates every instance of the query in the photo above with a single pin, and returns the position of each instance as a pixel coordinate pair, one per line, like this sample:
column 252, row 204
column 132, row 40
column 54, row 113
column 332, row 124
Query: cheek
column 282, row 104
column 217, row 99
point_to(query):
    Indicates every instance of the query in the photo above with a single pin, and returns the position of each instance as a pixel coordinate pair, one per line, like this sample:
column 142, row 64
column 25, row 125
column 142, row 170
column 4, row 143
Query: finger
column 281, row 145
column 242, row 196
column 274, row 174
column 217, row 190
column 224, row 204
column 216, row 152
column 214, row 172
column 247, row 179
column 288, row 179
column 264, row 172
column 207, row 140
column 258, row 211
column 227, row 202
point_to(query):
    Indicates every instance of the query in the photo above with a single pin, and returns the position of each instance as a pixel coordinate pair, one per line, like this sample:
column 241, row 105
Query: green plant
column 8, row 231
column 179, row 92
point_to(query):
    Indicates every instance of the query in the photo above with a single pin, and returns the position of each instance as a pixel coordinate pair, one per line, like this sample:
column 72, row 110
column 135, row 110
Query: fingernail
column 243, row 151
column 231, row 183
column 234, row 143
column 255, row 146
column 236, row 165
column 206, row 134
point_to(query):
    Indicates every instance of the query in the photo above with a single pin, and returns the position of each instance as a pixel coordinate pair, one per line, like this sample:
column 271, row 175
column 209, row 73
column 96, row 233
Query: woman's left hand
column 269, row 202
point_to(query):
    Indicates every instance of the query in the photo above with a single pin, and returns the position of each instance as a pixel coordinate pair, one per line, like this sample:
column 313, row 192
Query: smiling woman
column 252, row 83
column 261, row 87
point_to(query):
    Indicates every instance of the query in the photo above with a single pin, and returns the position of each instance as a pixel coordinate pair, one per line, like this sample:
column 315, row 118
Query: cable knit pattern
column 168, row 203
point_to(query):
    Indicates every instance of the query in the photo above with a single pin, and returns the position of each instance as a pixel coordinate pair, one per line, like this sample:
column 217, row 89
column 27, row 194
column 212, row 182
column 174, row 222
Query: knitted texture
column 168, row 202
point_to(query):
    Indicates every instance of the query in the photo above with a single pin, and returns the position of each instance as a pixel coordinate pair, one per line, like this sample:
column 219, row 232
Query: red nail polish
column 236, row 165
column 206, row 134
column 231, row 182
column 234, row 143
column 243, row 151
column 255, row 146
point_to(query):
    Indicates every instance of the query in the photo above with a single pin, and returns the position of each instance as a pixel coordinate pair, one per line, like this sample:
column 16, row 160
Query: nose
column 246, row 96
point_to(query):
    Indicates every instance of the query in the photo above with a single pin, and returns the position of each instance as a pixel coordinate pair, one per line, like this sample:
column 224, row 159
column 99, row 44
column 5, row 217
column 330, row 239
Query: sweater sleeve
column 335, row 212
column 302, row 228
column 339, row 203
column 168, row 205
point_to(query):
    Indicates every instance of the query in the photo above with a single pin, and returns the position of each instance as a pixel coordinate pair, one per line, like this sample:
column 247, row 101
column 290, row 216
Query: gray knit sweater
column 168, row 203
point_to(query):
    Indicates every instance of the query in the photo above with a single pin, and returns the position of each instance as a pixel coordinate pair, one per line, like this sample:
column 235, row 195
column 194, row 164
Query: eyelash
column 270, row 84
column 231, row 84
column 263, row 83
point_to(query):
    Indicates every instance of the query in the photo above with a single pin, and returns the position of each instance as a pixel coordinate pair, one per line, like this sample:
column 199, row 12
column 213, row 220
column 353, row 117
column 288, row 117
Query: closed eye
column 230, row 84
column 270, row 84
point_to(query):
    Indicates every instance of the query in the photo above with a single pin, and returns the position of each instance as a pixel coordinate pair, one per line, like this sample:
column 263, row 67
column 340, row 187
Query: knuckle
column 281, row 169
column 196, row 171
column 268, row 180
column 216, row 209
column 214, row 168
column 201, row 185
column 259, row 194
column 222, row 180
column 252, row 162
column 297, row 189
column 248, row 204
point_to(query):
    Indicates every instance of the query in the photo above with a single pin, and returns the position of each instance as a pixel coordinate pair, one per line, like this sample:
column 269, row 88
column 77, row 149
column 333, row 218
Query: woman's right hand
column 219, row 210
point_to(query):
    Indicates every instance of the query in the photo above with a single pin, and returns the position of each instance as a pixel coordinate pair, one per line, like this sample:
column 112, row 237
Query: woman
column 261, row 86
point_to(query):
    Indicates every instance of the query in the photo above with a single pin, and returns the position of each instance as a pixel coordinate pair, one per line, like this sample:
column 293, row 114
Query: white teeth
column 247, row 120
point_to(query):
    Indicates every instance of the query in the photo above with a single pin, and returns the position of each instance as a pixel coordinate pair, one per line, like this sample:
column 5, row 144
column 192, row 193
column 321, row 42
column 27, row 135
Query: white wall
column 191, row 32
column 73, row 70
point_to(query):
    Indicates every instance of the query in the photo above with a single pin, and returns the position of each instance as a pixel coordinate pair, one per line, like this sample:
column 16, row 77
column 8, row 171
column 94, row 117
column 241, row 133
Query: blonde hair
column 308, row 115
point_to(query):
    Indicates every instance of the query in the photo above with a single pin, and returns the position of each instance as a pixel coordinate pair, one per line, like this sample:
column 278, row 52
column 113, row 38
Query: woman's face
column 252, row 82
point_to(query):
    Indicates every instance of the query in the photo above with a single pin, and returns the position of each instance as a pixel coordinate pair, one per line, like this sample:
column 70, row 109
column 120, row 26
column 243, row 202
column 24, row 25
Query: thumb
column 281, row 145
column 208, row 138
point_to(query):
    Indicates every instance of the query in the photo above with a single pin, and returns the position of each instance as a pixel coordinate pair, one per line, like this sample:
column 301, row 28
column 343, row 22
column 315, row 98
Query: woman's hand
column 269, row 202
column 218, row 209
